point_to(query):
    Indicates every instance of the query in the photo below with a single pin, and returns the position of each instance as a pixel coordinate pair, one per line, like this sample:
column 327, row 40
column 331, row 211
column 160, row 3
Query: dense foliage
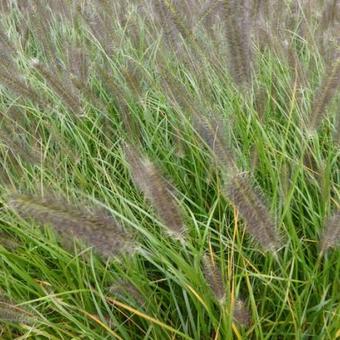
column 169, row 169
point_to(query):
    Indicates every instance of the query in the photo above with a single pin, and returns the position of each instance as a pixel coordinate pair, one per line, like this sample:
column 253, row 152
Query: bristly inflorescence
column 134, row 66
column 241, row 314
column 324, row 95
column 14, row 140
column 6, row 47
column 238, row 187
column 78, row 63
column 95, row 227
column 147, row 177
column 210, row 129
column 12, row 79
column 331, row 234
column 252, row 208
column 216, row 282
column 237, row 15
column 62, row 87
column 11, row 313
column 40, row 26
column 172, row 24
column 214, row 278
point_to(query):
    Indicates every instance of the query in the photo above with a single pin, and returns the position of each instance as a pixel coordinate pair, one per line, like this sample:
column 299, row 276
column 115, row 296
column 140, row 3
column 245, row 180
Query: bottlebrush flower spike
column 238, row 38
column 9, row 312
column 331, row 235
column 63, row 88
column 241, row 314
column 149, row 180
column 259, row 223
column 209, row 130
column 96, row 227
column 324, row 95
column 214, row 278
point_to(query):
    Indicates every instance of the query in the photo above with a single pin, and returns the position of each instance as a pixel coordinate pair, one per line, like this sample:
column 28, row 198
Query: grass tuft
column 193, row 145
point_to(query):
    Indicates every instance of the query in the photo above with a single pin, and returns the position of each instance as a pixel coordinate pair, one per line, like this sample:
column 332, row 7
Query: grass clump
column 193, row 145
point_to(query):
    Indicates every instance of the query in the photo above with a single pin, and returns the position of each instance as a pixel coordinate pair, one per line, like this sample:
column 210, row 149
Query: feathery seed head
column 323, row 96
column 238, row 37
column 259, row 222
column 93, row 227
column 62, row 87
column 241, row 314
column 209, row 130
column 214, row 278
column 9, row 312
column 331, row 234
column 148, row 179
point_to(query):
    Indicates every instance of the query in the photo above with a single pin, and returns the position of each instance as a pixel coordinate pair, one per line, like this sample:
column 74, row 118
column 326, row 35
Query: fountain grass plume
column 40, row 24
column 171, row 33
column 78, row 63
column 214, row 278
column 241, row 314
column 238, row 188
column 210, row 130
column 6, row 45
column 148, row 179
column 176, row 18
column 122, row 98
column 252, row 208
column 62, row 87
column 95, row 227
column 331, row 234
column 16, row 83
column 237, row 14
column 324, row 95
column 12, row 138
column 11, row 313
